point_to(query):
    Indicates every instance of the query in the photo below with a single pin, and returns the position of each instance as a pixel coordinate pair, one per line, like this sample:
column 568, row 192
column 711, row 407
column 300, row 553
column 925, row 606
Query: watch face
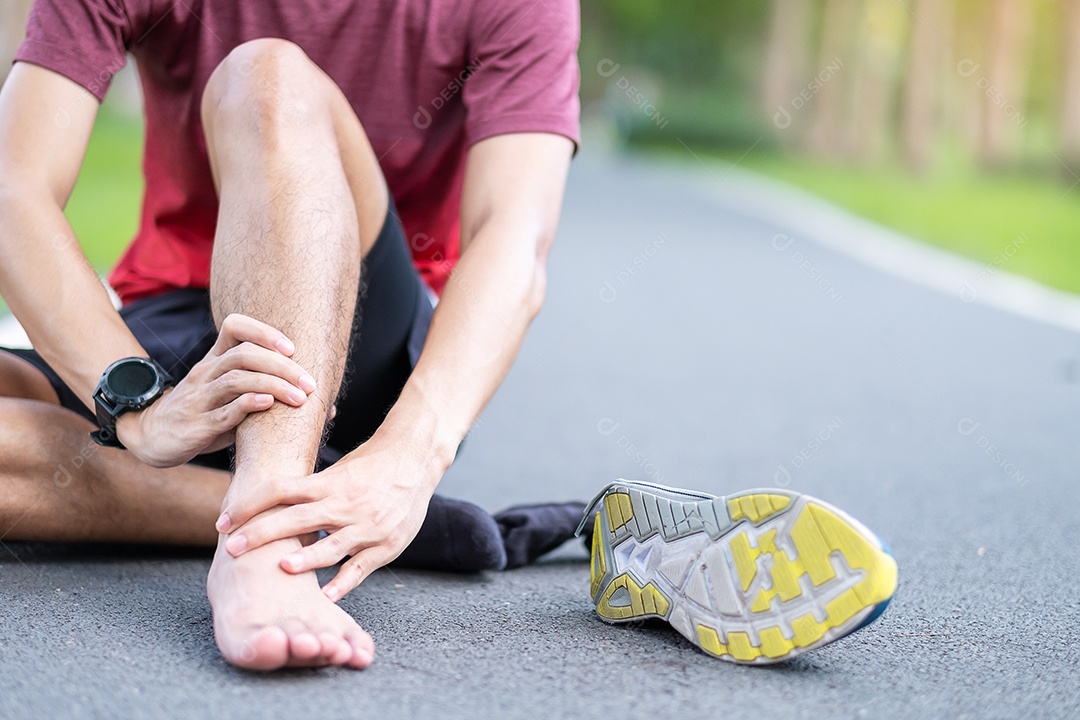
column 132, row 380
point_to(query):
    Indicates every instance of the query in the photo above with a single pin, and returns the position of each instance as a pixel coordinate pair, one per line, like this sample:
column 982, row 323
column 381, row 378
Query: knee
column 20, row 379
column 263, row 85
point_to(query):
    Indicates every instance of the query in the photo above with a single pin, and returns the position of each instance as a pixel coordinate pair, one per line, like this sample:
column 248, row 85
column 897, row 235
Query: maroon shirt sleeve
column 525, row 72
column 84, row 40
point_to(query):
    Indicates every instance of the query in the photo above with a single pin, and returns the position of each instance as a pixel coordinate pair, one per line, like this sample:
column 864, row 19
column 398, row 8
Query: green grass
column 104, row 207
column 973, row 214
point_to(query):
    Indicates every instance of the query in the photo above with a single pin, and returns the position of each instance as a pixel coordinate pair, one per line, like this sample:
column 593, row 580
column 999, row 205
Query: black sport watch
column 129, row 384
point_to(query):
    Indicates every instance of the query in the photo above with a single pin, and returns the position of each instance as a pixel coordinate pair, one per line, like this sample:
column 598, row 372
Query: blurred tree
column 13, row 14
column 929, row 62
column 787, row 51
column 1070, row 82
column 705, row 60
column 1004, row 94
column 830, row 136
column 881, row 35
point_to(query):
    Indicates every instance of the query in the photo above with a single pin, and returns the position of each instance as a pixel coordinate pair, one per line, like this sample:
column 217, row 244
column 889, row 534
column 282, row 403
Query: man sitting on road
column 306, row 164
column 310, row 165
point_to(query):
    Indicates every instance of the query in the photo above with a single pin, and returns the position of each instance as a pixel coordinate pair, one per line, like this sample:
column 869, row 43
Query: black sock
column 456, row 536
column 529, row 531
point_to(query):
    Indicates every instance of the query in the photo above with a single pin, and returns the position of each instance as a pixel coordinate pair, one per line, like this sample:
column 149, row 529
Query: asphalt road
column 681, row 342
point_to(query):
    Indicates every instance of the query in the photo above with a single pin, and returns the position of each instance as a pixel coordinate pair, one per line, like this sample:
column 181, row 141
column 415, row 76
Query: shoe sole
column 754, row 578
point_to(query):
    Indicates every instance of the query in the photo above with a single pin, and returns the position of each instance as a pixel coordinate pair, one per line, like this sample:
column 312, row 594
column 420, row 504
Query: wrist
column 128, row 427
column 419, row 434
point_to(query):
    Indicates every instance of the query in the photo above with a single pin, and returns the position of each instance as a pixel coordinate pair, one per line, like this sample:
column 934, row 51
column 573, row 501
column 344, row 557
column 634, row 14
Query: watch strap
column 105, row 435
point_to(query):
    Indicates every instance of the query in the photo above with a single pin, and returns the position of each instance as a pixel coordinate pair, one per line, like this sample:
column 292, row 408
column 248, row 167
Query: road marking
column 12, row 334
column 893, row 253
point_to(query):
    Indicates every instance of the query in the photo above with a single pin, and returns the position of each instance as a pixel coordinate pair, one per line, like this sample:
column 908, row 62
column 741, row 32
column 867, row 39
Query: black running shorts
column 393, row 312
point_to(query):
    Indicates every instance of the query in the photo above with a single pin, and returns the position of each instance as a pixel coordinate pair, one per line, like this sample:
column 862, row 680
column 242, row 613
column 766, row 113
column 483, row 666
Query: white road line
column 893, row 253
column 12, row 334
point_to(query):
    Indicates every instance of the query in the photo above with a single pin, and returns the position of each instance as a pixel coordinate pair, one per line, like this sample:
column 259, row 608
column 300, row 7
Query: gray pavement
column 711, row 361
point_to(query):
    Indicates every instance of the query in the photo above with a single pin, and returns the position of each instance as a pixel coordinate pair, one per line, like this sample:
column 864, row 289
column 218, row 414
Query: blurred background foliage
column 922, row 82
column 955, row 121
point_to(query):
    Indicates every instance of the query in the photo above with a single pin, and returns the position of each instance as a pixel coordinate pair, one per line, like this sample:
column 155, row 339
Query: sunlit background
column 954, row 121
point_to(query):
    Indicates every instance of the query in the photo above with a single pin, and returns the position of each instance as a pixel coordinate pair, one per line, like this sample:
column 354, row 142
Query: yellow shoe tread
column 774, row 644
column 644, row 601
column 597, row 565
column 745, row 559
column 709, row 640
column 756, row 507
column 619, row 509
column 816, row 535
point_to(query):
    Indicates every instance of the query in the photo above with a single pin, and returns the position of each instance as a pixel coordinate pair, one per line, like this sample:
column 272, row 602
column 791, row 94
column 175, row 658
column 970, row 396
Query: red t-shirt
column 427, row 78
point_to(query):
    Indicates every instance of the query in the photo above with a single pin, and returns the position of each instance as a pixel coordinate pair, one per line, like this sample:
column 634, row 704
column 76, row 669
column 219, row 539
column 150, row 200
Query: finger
column 324, row 553
column 249, row 356
column 228, row 439
column 357, row 569
column 237, row 328
column 225, row 418
column 274, row 525
column 242, row 506
column 235, row 383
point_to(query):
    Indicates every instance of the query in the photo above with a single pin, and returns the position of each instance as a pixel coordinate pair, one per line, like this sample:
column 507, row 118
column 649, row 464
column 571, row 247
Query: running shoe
column 754, row 578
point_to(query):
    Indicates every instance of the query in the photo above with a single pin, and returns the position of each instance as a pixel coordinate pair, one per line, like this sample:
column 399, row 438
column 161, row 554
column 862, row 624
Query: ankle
column 272, row 551
column 257, row 466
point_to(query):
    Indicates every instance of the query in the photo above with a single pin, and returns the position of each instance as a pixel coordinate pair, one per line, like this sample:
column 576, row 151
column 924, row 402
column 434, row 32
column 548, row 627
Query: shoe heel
column 619, row 597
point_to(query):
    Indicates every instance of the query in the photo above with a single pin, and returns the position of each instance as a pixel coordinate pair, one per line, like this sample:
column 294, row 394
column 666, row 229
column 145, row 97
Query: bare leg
column 57, row 484
column 301, row 199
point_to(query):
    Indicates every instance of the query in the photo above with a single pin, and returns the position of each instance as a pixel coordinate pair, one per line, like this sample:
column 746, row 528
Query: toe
column 363, row 649
column 304, row 645
column 343, row 654
column 335, row 650
column 267, row 649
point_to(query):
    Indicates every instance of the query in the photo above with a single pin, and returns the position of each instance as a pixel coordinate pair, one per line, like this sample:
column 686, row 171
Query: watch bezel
column 124, row 401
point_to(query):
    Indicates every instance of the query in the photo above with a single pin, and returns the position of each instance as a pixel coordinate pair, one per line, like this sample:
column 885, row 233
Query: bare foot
column 265, row 618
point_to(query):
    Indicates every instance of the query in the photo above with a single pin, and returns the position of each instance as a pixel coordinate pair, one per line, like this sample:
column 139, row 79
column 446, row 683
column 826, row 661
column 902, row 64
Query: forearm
column 477, row 330
column 51, row 288
column 44, row 275
column 510, row 209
